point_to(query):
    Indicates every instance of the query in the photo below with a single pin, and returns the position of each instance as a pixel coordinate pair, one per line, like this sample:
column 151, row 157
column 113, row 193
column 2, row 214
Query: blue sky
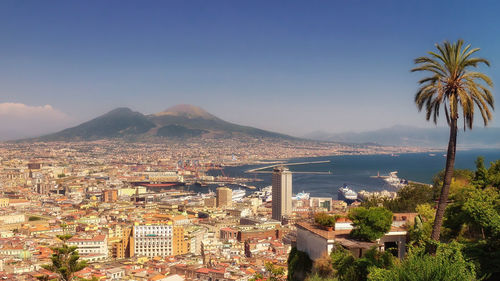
column 287, row 66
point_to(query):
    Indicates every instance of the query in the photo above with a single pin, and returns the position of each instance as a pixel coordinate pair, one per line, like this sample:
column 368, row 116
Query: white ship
column 347, row 194
column 238, row 194
column 206, row 195
column 265, row 194
column 301, row 196
column 394, row 180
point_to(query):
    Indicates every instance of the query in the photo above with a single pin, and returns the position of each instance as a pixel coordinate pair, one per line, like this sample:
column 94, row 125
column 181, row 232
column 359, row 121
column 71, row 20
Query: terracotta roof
column 345, row 241
column 329, row 235
column 227, row 229
column 95, row 238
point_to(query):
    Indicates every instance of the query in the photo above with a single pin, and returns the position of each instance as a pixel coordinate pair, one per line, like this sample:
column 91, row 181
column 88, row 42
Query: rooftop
column 329, row 235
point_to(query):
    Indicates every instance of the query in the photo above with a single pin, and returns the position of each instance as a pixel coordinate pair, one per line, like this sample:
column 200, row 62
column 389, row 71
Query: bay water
column 357, row 171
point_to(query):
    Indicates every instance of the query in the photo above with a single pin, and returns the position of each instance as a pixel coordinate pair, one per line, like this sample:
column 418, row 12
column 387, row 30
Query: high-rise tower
column 224, row 197
column 282, row 193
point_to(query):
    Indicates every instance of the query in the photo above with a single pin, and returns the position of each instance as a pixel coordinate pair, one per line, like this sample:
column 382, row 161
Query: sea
column 358, row 171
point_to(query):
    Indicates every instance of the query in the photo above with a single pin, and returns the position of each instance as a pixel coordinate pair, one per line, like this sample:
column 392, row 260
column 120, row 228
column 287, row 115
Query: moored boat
column 346, row 194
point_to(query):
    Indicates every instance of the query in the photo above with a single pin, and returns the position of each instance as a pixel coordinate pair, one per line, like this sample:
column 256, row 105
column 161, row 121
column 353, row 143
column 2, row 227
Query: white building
column 153, row 240
column 316, row 241
column 91, row 249
column 12, row 218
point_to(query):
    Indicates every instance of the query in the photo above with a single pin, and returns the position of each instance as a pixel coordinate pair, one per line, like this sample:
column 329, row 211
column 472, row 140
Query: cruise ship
column 264, row 194
column 394, row 180
column 238, row 194
column 346, row 194
column 301, row 195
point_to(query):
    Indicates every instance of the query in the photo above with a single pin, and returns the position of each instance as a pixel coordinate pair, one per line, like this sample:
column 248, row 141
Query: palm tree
column 455, row 88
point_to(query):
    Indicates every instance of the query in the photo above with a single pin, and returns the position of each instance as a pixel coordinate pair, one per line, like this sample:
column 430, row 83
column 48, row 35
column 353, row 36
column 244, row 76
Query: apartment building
column 91, row 248
column 153, row 240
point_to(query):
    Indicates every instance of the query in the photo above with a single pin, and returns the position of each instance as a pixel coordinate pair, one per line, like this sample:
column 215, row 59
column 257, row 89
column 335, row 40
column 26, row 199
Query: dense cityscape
column 131, row 215
column 249, row 140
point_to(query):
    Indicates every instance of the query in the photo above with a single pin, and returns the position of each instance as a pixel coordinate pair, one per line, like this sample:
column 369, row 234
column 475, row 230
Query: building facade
column 153, row 240
column 92, row 248
column 224, row 197
column 120, row 244
column 110, row 195
column 282, row 193
column 180, row 245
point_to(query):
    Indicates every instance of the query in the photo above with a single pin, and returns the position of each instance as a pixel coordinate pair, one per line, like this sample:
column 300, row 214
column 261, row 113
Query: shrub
column 448, row 264
column 325, row 220
column 370, row 224
column 299, row 264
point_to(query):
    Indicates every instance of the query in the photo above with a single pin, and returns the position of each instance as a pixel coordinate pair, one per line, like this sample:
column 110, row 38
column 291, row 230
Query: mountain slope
column 413, row 136
column 195, row 118
column 116, row 123
column 187, row 111
column 181, row 121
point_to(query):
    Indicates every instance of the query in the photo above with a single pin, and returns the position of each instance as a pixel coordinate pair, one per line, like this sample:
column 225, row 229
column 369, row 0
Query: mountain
column 186, row 110
column 181, row 121
column 116, row 123
column 195, row 118
column 479, row 137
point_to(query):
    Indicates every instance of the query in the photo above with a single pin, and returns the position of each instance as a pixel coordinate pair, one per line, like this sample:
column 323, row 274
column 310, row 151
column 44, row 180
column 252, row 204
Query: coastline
column 356, row 170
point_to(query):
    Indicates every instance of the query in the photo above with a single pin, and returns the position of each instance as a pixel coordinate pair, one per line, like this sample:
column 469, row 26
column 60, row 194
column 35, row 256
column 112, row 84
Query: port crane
column 260, row 170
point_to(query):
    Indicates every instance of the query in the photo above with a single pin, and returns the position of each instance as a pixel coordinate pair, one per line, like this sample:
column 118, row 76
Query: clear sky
column 288, row 66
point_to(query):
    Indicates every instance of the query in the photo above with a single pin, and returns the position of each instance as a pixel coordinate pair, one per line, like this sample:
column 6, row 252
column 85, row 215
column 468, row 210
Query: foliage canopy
column 370, row 223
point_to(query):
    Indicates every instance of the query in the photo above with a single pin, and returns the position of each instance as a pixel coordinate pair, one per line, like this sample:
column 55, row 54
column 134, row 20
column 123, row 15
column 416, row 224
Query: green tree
column 409, row 197
column 420, row 232
column 45, row 278
column 299, row 264
column 343, row 262
column 348, row 268
column 325, row 219
column 275, row 273
column 494, row 174
column 474, row 219
column 323, row 267
column 448, row 264
column 317, row 277
column 486, row 254
column 474, row 214
column 481, row 174
column 461, row 178
column 454, row 87
column 370, row 224
column 65, row 260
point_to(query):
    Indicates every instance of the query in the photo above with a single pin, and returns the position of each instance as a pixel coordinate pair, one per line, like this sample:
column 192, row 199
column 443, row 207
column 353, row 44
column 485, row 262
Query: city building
column 153, row 240
column 90, row 248
column 282, row 193
column 224, row 197
column 180, row 245
column 324, row 203
column 316, row 241
column 4, row 202
column 110, row 195
column 120, row 244
column 210, row 202
column 42, row 188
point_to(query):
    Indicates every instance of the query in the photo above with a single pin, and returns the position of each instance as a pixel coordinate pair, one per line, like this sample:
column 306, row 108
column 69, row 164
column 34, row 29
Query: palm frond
column 452, row 86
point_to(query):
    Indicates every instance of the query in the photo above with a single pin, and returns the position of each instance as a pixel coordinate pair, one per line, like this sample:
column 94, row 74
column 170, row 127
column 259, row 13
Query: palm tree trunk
column 448, row 175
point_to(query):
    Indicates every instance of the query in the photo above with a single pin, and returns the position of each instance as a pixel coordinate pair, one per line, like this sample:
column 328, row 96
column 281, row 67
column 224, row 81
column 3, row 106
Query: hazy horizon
column 11, row 133
column 284, row 66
